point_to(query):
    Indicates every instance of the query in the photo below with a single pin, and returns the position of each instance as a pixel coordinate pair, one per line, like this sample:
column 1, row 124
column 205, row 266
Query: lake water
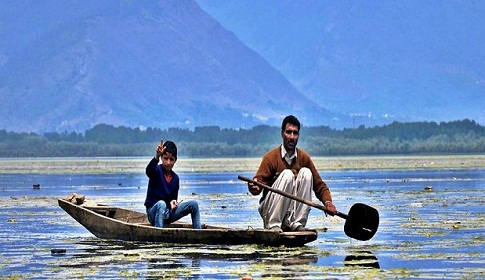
column 431, row 226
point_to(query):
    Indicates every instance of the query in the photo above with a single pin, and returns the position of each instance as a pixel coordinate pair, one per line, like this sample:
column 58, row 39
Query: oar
column 361, row 223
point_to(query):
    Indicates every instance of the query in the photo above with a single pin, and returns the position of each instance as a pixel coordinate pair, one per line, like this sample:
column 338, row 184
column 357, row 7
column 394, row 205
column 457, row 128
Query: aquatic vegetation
column 136, row 165
column 423, row 233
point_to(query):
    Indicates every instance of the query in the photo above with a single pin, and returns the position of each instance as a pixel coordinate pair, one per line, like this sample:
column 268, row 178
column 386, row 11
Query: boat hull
column 123, row 224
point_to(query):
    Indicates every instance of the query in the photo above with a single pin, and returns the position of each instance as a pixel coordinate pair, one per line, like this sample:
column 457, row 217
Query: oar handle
column 294, row 197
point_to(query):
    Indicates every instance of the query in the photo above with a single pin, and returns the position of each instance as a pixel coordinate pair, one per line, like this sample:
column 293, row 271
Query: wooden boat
column 108, row 222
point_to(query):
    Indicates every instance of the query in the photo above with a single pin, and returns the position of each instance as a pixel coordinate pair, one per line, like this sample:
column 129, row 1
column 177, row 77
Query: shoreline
column 130, row 165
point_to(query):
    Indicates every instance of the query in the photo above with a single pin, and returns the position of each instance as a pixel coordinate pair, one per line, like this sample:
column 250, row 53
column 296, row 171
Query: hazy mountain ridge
column 407, row 61
column 136, row 63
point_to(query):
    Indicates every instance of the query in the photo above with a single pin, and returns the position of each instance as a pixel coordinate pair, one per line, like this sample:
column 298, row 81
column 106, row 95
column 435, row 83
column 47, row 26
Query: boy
column 163, row 186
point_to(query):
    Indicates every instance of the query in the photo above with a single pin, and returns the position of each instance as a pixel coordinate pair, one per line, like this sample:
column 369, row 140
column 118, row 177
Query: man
column 291, row 170
column 163, row 186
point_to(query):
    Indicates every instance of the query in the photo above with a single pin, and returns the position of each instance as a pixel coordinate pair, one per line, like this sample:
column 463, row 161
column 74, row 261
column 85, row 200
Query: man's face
column 168, row 161
column 290, row 137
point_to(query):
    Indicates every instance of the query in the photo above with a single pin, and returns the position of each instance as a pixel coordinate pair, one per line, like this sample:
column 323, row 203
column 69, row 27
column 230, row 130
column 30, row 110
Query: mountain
column 375, row 60
column 69, row 65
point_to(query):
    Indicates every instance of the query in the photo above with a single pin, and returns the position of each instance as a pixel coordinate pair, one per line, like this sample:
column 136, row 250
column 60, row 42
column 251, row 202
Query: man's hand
column 330, row 207
column 253, row 188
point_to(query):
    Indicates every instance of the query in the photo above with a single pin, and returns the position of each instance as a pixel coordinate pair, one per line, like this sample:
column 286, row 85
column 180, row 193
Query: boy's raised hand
column 160, row 150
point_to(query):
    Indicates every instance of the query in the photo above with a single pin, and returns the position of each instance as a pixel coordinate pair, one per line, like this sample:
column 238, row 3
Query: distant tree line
column 457, row 137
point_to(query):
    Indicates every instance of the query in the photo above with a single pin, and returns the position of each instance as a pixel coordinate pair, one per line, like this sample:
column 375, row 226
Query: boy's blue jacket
column 158, row 188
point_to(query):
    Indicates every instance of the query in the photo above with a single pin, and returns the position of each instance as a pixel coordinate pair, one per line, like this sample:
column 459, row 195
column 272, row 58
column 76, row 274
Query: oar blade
column 362, row 222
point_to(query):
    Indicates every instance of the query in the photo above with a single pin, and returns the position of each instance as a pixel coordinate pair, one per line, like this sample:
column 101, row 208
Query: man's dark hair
column 290, row 120
column 170, row 147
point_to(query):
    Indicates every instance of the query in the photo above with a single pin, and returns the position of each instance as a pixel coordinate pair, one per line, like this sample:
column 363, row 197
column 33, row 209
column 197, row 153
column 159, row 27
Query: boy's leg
column 156, row 214
column 187, row 207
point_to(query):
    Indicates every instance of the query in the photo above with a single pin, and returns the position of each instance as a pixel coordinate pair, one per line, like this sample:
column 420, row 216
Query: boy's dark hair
column 290, row 120
column 170, row 147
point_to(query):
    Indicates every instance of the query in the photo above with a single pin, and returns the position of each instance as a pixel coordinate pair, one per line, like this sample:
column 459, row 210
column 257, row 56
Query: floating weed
column 479, row 238
column 438, row 237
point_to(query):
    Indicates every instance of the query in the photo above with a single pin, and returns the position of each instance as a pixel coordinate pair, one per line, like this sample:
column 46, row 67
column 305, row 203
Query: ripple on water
column 422, row 234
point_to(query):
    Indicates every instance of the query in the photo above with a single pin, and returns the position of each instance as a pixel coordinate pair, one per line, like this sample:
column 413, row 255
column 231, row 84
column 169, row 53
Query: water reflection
column 181, row 260
column 424, row 234
column 363, row 259
column 162, row 263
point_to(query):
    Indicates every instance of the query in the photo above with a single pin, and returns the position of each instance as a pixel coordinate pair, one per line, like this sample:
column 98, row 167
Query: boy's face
column 168, row 161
